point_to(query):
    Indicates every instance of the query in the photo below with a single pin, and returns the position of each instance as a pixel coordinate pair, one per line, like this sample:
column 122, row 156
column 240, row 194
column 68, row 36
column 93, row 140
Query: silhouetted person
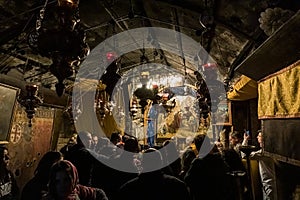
column 35, row 187
column 105, row 147
column 9, row 189
column 115, row 138
column 188, row 155
column 94, row 142
column 171, row 158
column 155, row 184
column 72, row 141
column 127, row 168
column 80, row 156
column 207, row 178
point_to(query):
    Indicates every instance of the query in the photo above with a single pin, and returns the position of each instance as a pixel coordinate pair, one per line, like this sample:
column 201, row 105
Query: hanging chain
column 40, row 17
column 33, row 36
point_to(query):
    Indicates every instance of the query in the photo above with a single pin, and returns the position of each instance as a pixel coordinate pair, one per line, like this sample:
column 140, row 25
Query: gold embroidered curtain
column 245, row 88
column 279, row 94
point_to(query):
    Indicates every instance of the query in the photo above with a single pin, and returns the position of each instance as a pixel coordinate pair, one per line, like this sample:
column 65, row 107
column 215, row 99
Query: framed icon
column 8, row 97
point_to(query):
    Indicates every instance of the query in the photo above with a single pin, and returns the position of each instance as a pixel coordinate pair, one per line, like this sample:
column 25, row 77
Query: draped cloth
column 245, row 88
column 279, row 94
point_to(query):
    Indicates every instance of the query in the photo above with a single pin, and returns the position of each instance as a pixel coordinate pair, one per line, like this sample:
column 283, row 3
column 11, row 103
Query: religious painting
column 8, row 96
column 223, row 114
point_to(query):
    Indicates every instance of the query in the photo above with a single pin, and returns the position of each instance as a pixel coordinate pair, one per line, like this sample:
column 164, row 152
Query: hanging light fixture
column 143, row 93
column 31, row 101
column 103, row 106
column 61, row 39
column 134, row 107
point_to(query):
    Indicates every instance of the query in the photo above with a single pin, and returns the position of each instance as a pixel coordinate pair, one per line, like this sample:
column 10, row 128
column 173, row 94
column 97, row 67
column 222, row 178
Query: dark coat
column 154, row 185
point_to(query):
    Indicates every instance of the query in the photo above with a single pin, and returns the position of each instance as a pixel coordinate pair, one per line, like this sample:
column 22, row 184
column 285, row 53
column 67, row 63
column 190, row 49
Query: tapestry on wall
column 28, row 144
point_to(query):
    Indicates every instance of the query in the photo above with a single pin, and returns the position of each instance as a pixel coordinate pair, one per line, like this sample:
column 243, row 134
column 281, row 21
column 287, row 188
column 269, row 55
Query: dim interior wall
column 255, row 123
column 63, row 129
column 239, row 115
column 281, row 142
column 28, row 144
column 282, row 139
column 244, row 116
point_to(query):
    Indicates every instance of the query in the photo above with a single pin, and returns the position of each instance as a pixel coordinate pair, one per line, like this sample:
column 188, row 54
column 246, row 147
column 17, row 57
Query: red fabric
column 73, row 174
column 85, row 192
column 208, row 66
column 78, row 191
column 82, row 191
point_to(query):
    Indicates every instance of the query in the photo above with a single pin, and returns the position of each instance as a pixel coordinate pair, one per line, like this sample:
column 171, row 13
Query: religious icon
column 8, row 96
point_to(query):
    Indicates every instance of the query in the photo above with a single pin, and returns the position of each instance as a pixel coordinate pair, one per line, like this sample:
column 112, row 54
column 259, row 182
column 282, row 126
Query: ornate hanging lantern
column 102, row 104
column 31, row 101
column 61, row 39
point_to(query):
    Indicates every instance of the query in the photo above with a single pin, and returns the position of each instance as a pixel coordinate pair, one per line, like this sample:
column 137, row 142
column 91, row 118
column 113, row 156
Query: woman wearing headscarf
column 63, row 184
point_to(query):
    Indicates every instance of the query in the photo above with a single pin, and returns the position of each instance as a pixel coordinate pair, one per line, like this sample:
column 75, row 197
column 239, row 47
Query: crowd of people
column 80, row 171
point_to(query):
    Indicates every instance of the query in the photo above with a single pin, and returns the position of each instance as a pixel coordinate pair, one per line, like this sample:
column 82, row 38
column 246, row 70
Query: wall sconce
column 31, row 101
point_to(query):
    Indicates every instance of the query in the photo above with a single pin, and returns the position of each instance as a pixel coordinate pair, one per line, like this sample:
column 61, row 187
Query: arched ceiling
column 232, row 34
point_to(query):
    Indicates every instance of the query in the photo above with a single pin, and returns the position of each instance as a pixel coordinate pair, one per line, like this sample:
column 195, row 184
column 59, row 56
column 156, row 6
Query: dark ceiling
column 229, row 30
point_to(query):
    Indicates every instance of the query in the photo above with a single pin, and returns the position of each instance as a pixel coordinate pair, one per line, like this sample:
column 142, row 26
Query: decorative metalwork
column 31, row 101
column 208, row 99
column 102, row 104
column 62, row 39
